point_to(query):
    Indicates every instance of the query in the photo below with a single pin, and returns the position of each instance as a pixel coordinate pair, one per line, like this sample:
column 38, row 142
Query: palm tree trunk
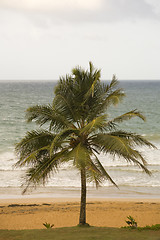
column 82, row 218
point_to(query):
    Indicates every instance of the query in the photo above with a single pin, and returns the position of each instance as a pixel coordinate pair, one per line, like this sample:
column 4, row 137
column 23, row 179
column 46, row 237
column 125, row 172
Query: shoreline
column 41, row 200
column 103, row 192
column 31, row 213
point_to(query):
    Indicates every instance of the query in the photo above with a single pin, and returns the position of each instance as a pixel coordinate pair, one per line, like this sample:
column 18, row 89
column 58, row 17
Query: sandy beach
column 32, row 213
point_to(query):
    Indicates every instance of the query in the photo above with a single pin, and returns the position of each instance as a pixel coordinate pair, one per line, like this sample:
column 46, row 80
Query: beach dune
column 32, row 213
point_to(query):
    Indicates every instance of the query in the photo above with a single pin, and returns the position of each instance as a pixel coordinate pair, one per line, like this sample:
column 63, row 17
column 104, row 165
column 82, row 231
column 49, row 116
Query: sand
column 32, row 213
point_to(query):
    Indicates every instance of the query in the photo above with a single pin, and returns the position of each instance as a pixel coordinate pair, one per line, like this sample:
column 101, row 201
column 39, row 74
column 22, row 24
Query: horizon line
column 50, row 80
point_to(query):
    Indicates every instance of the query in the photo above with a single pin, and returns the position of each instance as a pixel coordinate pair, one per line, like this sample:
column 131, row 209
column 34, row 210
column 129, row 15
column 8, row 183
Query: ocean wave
column 121, row 172
column 151, row 136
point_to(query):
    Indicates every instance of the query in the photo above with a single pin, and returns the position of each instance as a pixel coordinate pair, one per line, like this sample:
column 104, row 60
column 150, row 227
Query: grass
column 153, row 227
column 72, row 233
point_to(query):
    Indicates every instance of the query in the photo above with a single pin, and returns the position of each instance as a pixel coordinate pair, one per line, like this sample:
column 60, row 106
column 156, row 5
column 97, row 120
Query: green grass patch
column 155, row 227
column 80, row 233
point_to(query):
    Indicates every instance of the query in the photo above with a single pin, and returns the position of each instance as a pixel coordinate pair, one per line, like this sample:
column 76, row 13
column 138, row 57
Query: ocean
column 17, row 96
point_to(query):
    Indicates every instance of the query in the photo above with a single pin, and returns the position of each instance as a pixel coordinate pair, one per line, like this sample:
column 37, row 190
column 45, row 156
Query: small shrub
column 131, row 222
column 48, row 225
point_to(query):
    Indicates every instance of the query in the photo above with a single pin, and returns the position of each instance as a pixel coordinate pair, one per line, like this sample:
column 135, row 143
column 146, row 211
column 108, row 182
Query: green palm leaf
column 32, row 142
column 97, row 124
column 63, row 137
column 133, row 139
column 103, row 174
column 42, row 170
column 47, row 114
column 80, row 156
column 128, row 116
column 94, row 76
column 120, row 146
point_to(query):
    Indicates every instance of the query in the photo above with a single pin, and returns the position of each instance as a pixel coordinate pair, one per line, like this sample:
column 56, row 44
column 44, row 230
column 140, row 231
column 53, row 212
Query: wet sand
column 32, row 213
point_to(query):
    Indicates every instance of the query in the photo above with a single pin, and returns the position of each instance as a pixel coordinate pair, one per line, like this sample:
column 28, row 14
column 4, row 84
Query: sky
column 45, row 39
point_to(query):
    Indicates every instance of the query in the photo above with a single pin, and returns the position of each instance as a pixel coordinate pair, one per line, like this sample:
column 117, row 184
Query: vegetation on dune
column 78, row 130
column 48, row 225
column 132, row 224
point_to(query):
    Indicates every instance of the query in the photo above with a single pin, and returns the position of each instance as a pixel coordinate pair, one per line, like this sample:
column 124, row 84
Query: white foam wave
column 121, row 172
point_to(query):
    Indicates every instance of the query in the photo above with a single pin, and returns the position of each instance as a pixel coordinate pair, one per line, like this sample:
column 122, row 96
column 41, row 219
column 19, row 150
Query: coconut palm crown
column 78, row 130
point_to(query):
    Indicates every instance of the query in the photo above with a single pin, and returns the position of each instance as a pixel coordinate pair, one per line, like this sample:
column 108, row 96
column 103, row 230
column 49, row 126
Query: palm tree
column 78, row 130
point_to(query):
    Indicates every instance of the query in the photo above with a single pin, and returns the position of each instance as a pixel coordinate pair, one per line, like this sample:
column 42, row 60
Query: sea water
column 16, row 97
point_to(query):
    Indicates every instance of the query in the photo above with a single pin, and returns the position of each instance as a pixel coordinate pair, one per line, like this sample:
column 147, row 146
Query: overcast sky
column 45, row 39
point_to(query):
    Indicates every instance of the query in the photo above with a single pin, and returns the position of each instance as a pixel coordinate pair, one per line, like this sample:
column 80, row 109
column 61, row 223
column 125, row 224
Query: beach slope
column 32, row 213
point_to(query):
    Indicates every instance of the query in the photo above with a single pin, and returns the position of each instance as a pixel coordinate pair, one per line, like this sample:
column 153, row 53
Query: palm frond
column 47, row 114
column 98, row 123
column 65, row 106
column 96, row 172
column 65, row 134
column 80, row 156
column 128, row 116
column 41, row 171
column 103, row 171
column 113, row 98
column 32, row 142
column 104, row 97
column 113, row 94
column 93, row 174
column 142, row 166
column 94, row 76
column 41, row 114
column 33, row 157
column 133, row 139
column 113, row 84
column 116, row 145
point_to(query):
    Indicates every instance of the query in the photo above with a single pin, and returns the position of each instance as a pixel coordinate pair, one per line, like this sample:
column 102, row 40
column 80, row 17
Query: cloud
column 113, row 10
column 50, row 5
column 86, row 10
